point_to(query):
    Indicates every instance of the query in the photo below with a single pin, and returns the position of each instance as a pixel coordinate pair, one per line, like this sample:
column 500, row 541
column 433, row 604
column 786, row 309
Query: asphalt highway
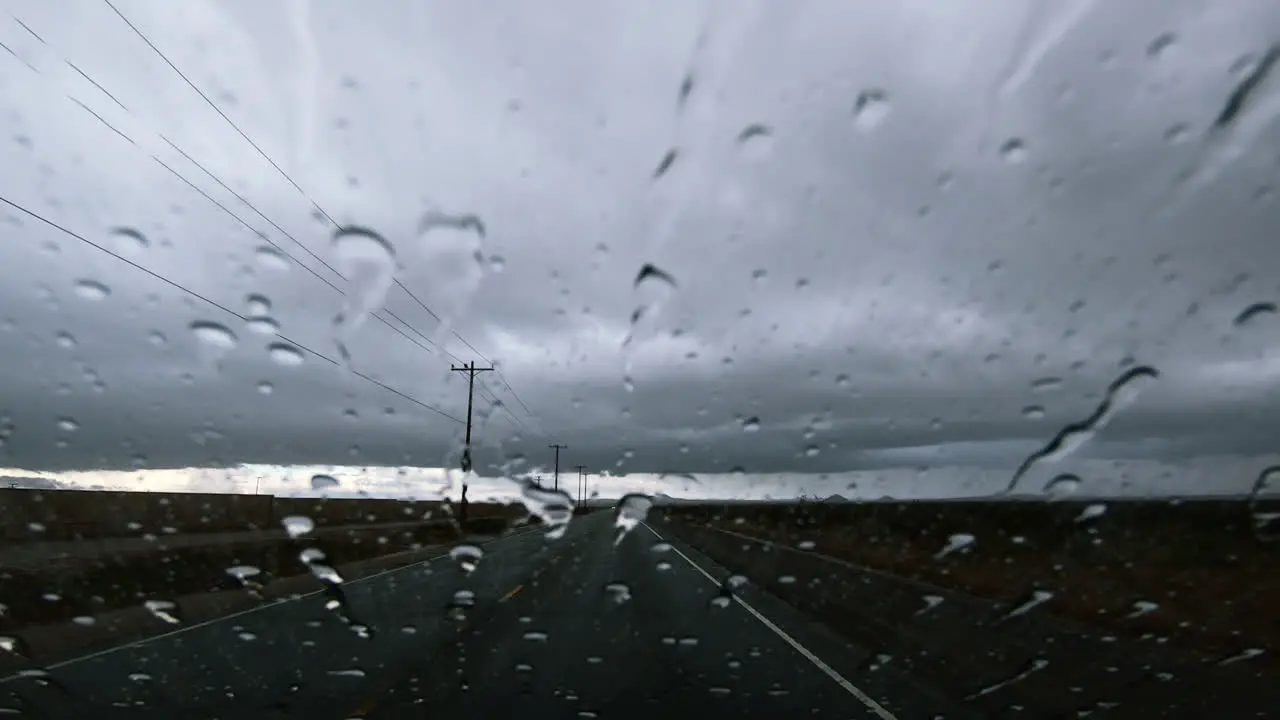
column 576, row 627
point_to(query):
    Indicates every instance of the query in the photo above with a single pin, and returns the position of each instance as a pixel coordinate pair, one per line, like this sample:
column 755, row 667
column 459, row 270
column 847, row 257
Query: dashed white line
column 829, row 671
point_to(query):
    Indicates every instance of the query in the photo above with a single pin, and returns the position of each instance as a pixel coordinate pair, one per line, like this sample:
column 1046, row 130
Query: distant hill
column 35, row 483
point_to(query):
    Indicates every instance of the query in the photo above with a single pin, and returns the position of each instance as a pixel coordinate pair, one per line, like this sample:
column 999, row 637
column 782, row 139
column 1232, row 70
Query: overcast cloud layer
column 886, row 222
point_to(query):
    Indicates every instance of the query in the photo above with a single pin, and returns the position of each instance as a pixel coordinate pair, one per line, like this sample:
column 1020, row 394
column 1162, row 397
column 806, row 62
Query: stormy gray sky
column 886, row 223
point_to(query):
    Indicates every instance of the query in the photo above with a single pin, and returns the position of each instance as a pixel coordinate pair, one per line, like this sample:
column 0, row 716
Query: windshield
column 603, row 359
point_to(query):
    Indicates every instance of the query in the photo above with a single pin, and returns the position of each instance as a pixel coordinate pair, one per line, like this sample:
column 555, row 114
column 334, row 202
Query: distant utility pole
column 558, row 447
column 471, row 370
column 582, row 483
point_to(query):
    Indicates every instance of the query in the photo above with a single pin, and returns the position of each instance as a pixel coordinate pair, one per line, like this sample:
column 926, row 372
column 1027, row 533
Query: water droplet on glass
column 1091, row 511
column 450, row 246
column 652, row 289
column 632, row 510
column 434, row 219
column 930, row 602
column 243, row 572
column 619, row 592
column 265, row 388
column 310, row 555
column 812, row 451
column 297, row 525
column 12, row 644
column 257, row 305
column 67, row 424
column 213, row 335
column 467, row 556
column 806, row 545
column 284, row 354
column 65, row 340
column 1033, row 412
column 1062, row 485
column 1046, row 384
column 553, row 507
column 663, row 566
column 535, row 636
column 92, row 290
column 1253, row 313
column 1265, row 487
column 271, row 258
column 1161, row 45
column 129, row 240
column 870, row 109
column 1014, row 151
column 1121, row 393
column 350, row 672
column 262, row 325
column 1034, row 600
column 163, row 609
column 751, row 424
column 497, row 263
column 957, row 542
column 368, row 262
column 755, row 142
column 1177, row 133
column 1142, row 607
column 323, row 482
column 325, row 574
column 664, row 165
column 1247, row 654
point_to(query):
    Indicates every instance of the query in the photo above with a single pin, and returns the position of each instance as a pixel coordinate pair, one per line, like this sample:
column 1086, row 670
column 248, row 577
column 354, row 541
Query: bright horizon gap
column 1098, row 479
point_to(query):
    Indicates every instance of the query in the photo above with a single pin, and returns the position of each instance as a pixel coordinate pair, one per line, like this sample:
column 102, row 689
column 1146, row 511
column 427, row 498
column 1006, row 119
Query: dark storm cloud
column 879, row 289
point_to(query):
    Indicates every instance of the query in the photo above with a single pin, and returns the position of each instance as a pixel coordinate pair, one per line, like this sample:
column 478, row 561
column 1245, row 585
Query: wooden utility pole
column 558, row 447
column 582, row 484
column 471, row 370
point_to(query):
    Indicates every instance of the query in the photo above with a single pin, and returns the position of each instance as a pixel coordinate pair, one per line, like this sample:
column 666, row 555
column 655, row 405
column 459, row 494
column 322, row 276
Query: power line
column 276, row 245
column 263, row 236
column 215, row 107
column 215, row 304
column 494, row 401
column 255, row 146
column 514, row 395
column 296, row 186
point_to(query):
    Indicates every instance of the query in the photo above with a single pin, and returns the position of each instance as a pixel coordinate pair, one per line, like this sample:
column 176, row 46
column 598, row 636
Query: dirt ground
column 1195, row 573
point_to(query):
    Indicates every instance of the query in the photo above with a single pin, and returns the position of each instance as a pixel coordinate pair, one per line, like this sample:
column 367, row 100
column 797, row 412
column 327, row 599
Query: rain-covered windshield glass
column 610, row 359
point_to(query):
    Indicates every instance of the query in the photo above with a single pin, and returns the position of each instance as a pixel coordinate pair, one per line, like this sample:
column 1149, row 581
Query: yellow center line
column 511, row 594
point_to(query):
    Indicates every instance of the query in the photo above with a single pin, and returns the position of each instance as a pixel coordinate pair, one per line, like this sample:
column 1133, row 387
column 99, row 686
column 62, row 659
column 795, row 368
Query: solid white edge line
column 238, row 613
column 829, row 671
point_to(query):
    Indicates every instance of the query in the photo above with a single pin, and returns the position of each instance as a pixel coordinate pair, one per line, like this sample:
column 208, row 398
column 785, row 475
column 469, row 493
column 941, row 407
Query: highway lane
column 575, row 627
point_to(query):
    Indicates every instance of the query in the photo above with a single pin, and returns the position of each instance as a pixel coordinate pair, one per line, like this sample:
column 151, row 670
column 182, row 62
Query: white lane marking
column 830, row 672
column 239, row 613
